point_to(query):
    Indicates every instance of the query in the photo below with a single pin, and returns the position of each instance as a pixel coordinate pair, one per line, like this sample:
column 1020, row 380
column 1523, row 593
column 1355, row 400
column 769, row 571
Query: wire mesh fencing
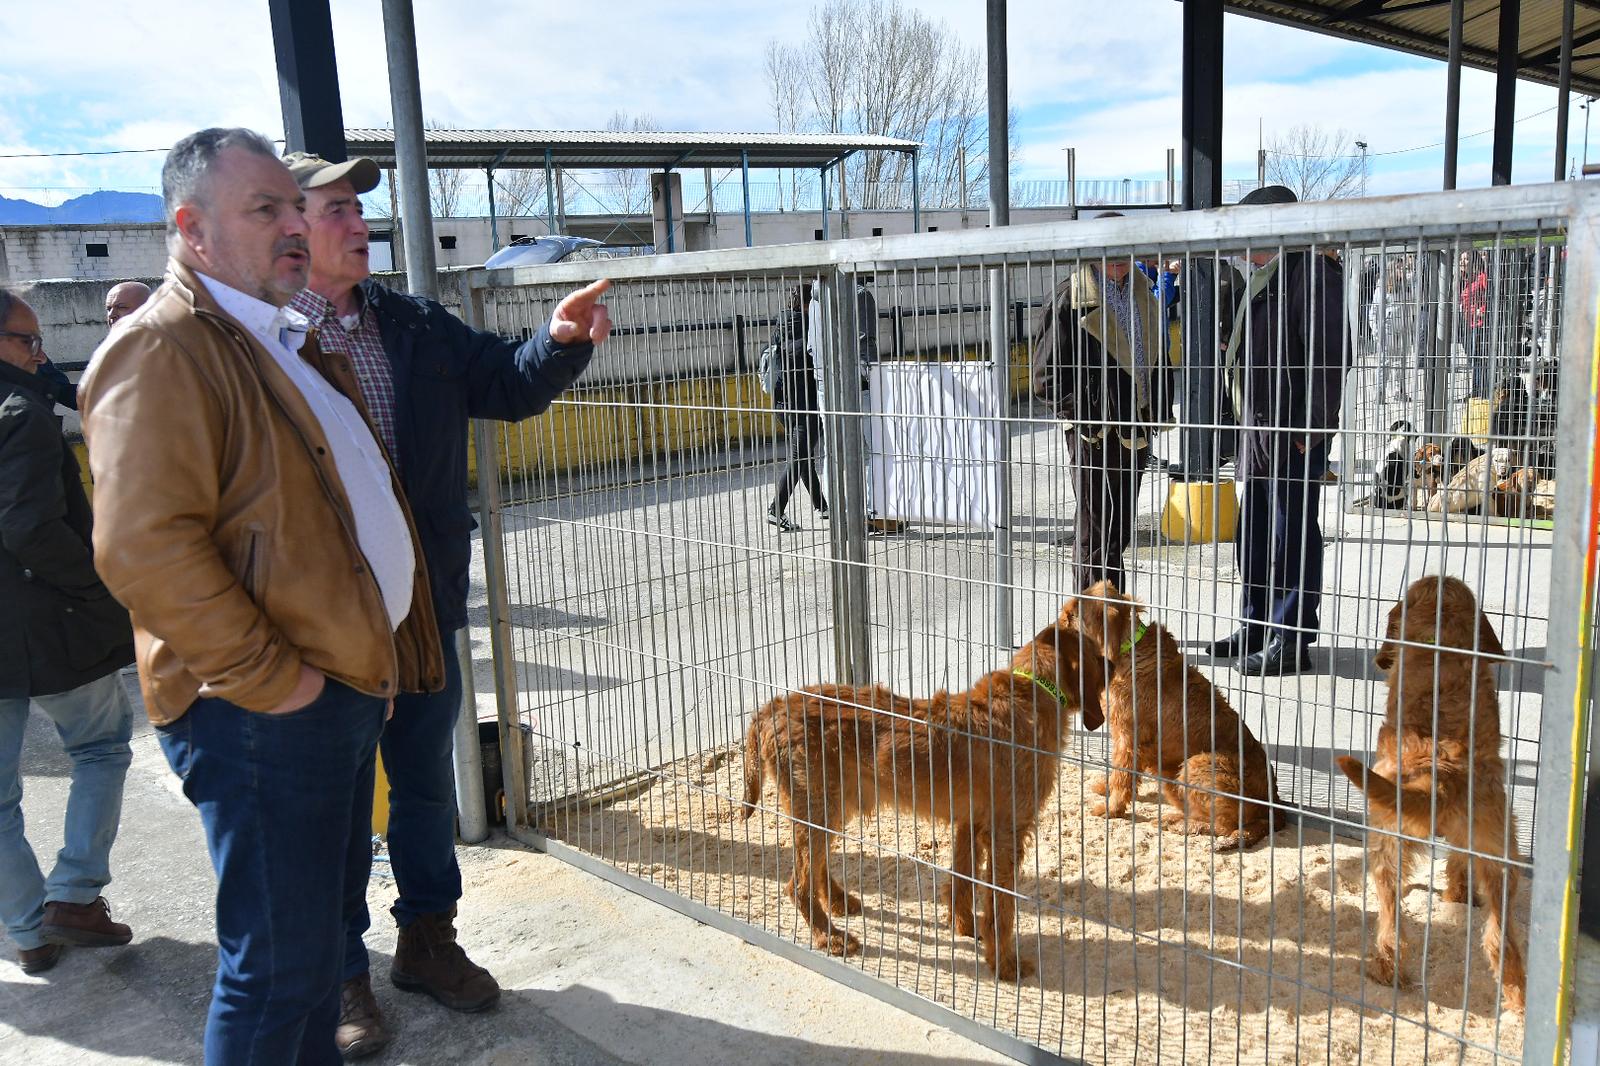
column 1056, row 624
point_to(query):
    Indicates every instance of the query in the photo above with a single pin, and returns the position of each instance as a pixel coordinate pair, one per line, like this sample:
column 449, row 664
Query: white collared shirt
column 381, row 528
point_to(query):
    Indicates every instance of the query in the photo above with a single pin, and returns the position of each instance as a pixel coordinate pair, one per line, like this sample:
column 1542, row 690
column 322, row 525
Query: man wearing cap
column 1284, row 366
column 422, row 374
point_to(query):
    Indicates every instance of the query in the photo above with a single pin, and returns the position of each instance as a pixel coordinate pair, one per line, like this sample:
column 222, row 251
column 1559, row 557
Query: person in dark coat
column 1102, row 358
column 421, row 373
column 64, row 639
column 1285, row 367
column 795, row 401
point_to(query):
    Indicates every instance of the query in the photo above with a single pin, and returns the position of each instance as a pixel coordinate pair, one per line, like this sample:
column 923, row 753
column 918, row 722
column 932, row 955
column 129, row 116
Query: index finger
column 588, row 294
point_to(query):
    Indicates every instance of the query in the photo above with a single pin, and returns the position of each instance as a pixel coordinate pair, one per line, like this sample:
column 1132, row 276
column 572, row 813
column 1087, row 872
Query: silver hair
column 188, row 165
column 9, row 299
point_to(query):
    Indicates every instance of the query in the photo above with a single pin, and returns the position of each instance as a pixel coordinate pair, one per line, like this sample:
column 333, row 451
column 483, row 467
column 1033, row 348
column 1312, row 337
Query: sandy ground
column 1148, row 948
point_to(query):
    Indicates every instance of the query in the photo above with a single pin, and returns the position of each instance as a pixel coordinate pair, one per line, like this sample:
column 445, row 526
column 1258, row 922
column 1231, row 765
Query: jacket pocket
column 251, row 565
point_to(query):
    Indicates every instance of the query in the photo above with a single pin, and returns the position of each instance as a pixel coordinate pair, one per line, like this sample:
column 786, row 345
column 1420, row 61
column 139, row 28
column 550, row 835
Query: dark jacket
column 59, row 626
column 797, row 384
column 445, row 373
column 1291, row 367
column 1088, row 385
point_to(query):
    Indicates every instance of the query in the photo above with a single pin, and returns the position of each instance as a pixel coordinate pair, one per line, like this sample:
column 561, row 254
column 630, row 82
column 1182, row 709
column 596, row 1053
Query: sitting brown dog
column 1167, row 719
column 983, row 761
column 1438, row 767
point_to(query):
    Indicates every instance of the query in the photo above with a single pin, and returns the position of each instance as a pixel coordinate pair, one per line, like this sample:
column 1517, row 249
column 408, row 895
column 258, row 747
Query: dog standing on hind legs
column 1447, row 780
column 982, row 761
column 1166, row 718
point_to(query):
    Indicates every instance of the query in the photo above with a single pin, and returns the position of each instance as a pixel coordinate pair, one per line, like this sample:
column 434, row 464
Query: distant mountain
column 96, row 207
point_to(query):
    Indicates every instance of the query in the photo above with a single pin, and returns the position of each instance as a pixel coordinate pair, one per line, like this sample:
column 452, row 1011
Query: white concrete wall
column 34, row 253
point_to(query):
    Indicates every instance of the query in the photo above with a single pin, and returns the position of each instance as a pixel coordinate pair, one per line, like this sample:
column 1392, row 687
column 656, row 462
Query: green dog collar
column 1138, row 635
column 1048, row 686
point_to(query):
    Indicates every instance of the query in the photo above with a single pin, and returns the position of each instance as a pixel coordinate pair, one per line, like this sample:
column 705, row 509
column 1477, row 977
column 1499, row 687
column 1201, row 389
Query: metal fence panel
column 650, row 602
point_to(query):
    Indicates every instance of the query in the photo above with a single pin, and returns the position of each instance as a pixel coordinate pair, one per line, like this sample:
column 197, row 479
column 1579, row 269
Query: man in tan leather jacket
column 250, row 523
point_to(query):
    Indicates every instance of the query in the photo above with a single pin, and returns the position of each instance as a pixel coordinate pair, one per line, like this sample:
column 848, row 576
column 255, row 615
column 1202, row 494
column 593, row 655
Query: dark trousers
column 417, row 745
column 1480, row 352
column 281, row 800
column 1105, row 481
column 1279, row 549
column 802, row 431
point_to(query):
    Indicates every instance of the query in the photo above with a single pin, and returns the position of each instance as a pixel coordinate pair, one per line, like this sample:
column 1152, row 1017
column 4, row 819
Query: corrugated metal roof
column 477, row 149
column 1422, row 27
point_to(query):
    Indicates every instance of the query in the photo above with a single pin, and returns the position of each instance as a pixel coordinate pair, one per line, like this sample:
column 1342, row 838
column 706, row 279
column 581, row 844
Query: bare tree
column 785, row 89
column 444, row 190
column 628, row 188
column 1317, row 164
column 519, row 192
column 879, row 67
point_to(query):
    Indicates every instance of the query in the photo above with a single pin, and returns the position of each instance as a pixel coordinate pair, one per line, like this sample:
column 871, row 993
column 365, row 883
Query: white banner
column 933, row 443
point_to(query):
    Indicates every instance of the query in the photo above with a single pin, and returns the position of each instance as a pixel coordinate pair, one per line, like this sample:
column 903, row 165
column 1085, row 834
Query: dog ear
column 1091, row 690
column 1488, row 639
column 1385, row 657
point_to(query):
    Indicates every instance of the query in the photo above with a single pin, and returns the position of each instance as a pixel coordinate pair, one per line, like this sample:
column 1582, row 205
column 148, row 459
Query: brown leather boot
column 361, row 1031
column 83, row 925
column 428, row 959
column 40, row 959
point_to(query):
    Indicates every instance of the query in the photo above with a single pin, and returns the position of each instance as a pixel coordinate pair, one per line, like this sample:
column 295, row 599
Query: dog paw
column 1175, row 823
column 963, row 923
column 1097, row 810
column 844, row 903
column 1382, row 969
column 1098, row 785
column 838, row 943
column 1012, row 967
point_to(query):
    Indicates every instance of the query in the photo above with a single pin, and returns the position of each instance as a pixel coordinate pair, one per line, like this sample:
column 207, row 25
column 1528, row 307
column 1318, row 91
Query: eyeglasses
column 34, row 341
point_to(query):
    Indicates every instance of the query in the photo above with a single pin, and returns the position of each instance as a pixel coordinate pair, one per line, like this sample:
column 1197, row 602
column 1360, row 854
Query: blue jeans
column 1279, row 549
column 95, row 722
column 281, row 802
column 417, row 746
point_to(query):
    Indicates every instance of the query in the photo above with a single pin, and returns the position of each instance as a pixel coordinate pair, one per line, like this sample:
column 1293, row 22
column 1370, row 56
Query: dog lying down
column 1167, row 719
column 1438, row 771
column 982, row 761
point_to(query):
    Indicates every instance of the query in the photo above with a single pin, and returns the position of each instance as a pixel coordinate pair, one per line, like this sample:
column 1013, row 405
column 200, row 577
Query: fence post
column 1000, row 352
column 491, row 527
column 1566, row 715
column 843, row 431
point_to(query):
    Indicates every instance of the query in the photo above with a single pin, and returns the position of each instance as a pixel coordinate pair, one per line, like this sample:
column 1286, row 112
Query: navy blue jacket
column 445, row 372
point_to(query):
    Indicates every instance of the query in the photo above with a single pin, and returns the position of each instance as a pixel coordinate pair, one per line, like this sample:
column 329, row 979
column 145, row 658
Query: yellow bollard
column 380, row 802
column 1200, row 512
column 1475, row 421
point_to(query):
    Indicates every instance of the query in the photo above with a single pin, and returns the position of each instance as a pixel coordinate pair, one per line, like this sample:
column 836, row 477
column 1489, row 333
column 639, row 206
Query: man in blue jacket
column 422, row 374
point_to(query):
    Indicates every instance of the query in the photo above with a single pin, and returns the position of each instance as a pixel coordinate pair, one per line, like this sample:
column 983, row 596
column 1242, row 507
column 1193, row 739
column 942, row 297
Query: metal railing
column 645, row 610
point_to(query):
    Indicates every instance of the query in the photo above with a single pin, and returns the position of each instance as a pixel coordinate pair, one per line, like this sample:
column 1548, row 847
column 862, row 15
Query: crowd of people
column 280, row 545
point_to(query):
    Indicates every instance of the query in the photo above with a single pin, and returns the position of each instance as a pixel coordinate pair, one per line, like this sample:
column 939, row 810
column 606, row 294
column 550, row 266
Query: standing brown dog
column 1438, row 770
column 1167, row 719
column 983, row 761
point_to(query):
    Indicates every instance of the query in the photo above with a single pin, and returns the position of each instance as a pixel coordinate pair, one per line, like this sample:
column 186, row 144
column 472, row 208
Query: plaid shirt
column 364, row 347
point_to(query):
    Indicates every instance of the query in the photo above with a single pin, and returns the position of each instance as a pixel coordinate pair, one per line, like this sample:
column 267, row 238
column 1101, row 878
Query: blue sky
column 1106, row 85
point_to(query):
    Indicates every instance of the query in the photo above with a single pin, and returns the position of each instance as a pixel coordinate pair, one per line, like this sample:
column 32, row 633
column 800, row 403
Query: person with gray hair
column 250, row 522
column 65, row 640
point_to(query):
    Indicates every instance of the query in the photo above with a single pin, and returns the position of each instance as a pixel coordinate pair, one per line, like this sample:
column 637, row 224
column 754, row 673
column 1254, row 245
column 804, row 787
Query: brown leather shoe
column 428, row 959
column 361, row 1031
column 83, row 925
column 38, row 960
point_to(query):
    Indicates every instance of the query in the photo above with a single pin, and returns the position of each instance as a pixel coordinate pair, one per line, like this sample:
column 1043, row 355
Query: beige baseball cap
column 313, row 171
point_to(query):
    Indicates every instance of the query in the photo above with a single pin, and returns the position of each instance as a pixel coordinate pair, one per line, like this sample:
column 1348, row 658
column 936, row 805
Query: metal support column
column 666, row 209
column 822, row 180
column 1505, row 91
column 1202, row 189
column 916, row 190
column 410, row 148
column 1072, row 183
column 744, row 178
column 841, row 399
column 999, row 332
column 308, row 77
column 1452, row 96
column 1564, row 89
column 549, row 192
column 494, row 223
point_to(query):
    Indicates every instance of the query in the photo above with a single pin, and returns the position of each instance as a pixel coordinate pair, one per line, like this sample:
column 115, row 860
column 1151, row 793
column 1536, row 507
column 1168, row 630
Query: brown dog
column 983, row 761
column 1438, row 768
column 1167, row 719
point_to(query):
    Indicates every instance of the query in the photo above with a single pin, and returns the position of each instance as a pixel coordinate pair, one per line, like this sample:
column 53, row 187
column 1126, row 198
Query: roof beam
column 1550, row 55
column 1370, row 8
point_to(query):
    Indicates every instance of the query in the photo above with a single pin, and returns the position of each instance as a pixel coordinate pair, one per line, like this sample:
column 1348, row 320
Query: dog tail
column 1382, row 793
column 754, row 763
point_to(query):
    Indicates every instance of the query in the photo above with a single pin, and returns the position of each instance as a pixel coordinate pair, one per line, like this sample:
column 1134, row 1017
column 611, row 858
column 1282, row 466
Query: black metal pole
column 1202, row 188
column 1505, row 90
column 308, row 77
column 1452, row 96
column 1564, row 89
